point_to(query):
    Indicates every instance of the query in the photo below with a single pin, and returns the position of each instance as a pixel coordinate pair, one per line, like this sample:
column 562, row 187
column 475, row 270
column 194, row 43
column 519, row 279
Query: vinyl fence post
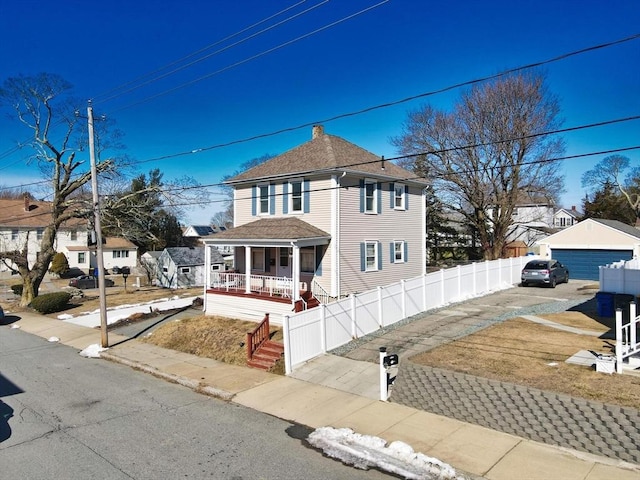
column 384, row 387
column 459, row 274
column 403, row 292
column 441, row 286
column 424, row 292
column 633, row 324
column 323, row 327
column 380, row 319
column 287, row 345
column 619, row 340
column 475, row 279
column 353, row 316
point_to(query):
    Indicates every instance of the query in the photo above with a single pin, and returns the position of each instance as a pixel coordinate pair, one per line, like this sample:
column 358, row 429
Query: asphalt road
column 68, row 417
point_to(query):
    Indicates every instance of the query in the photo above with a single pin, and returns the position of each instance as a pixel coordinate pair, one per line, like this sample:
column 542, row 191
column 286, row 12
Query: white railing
column 621, row 277
column 626, row 336
column 259, row 284
column 313, row 332
column 320, row 293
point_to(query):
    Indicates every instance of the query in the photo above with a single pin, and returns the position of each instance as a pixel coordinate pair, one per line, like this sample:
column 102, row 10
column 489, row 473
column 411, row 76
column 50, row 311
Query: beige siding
column 589, row 234
column 253, row 309
column 389, row 225
column 319, row 204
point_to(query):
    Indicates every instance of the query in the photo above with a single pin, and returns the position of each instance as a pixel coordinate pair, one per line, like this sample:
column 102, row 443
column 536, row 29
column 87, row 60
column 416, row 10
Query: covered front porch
column 275, row 260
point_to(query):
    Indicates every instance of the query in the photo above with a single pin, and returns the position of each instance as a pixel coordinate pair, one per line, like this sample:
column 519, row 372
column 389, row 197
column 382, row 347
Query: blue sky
column 290, row 76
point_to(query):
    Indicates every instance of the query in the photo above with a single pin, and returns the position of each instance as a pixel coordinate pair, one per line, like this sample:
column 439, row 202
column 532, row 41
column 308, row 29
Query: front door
column 284, row 262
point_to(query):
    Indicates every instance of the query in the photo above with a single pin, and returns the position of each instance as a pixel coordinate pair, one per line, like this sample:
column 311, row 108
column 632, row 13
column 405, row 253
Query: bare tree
column 42, row 104
column 482, row 155
column 616, row 171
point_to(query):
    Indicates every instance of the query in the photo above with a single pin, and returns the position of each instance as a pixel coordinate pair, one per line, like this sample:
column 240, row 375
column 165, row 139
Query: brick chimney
column 317, row 131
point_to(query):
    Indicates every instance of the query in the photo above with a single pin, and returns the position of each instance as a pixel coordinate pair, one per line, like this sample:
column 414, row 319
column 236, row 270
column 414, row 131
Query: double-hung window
column 264, row 199
column 14, row 234
column 39, row 233
column 370, row 205
column 257, row 259
column 398, row 251
column 296, row 196
column 308, row 259
column 81, row 258
column 399, row 196
column 370, row 260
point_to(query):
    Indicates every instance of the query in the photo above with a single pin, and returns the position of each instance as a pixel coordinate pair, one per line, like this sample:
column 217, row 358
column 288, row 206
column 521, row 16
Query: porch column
column 247, row 269
column 295, row 295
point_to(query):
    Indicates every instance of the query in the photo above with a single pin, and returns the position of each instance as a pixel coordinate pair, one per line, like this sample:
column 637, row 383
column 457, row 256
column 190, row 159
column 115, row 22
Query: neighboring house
column 197, row 232
column 564, row 217
column 116, row 252
column 183, row 267
column 23, row 222
column 532, row 221
column 590, row 244
column 327, row 218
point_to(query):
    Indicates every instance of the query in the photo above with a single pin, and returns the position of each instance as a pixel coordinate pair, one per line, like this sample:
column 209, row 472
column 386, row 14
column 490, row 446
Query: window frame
column 255, row 251
column 308, row 252
column 82, row 258
column 73, row 235
column 39, row 233
column 293, row 197
column 184, row 270
column 260, row 200
column 373, row 184
column 15, row 234
column 401, row 244
column 375, row 257
column 399, row 187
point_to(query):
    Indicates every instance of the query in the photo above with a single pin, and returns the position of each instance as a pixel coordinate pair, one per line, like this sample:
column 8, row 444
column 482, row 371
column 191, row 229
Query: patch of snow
column 64, row 316
column 365, row 451
column 53, row 339
column 15, row 326
column 92, row 351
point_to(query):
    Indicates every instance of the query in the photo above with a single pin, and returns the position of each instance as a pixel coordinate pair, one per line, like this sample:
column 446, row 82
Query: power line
column 135, row 84
column 251, row 58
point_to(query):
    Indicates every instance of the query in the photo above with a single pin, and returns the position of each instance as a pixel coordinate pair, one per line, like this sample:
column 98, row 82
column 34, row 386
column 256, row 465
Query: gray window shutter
column 272, row 199
column 392, row 253
column 306, row 196
column 319, row 251
column 406, row 251
column 392, row 194
column 285, row 197
column 362, row 196
column 406, row 197
column 254, row 194
column 379, row 256
column 379, row 191
column 363, row 257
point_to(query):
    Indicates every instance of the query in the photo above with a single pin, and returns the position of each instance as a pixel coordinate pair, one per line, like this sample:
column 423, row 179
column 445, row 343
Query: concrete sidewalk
column 477, row 451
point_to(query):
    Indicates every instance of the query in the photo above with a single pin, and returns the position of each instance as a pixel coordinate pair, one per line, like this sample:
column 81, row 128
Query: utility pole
column 96, row 213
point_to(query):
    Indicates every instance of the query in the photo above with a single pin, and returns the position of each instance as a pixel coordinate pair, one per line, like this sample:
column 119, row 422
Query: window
column 14, row 234
column 308, row 259
column 257, row 259
column 398, row 251
column 370, row 197
column 399, row 196
column 120, row 254
column 263, row 191
column 185, row 269
column 284, row 257
column 216, row 266
column 165, row 269
column 39, row 233
column 81, row 258
column 74, row 235
column 370, row 258
column 296, row 196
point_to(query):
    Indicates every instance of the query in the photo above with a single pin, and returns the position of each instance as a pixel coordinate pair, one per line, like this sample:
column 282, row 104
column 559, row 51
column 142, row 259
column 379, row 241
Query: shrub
column 51, row 302
column 59, row 264
column 17, row 289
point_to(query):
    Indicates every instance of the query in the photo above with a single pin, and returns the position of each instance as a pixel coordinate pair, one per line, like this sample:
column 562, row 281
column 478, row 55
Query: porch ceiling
column 271, row 231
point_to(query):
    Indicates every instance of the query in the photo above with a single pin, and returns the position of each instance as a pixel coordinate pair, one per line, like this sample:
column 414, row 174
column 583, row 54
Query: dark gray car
column 544, row 272
column 88, row 281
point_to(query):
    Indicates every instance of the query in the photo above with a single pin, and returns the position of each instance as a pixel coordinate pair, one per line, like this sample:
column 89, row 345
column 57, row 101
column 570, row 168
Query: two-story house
column 321, row 221
column 565, row 217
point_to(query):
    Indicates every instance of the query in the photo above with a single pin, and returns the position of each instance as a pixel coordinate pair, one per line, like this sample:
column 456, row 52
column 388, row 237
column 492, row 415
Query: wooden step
column 267, row 355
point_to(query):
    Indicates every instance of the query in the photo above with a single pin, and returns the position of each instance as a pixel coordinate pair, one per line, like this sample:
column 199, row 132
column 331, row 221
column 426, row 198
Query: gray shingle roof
column 285, row 228
column 186, row 256
column 623, row 227
column 325, row 153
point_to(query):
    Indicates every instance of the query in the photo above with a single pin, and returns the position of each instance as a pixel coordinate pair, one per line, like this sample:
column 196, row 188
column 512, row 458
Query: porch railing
column 321, row 294
column 259, row 284
column 257, row 337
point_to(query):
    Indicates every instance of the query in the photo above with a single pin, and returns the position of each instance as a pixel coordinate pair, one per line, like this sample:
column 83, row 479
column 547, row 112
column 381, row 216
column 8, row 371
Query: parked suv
column 88, row 281
column 545, row 272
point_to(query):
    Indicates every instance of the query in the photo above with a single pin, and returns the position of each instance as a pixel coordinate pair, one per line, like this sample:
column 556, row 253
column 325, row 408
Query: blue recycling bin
column 606, row 304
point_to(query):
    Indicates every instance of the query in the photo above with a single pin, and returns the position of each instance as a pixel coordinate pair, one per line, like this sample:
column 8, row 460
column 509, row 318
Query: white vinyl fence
column 313, row 332
column 621, row 277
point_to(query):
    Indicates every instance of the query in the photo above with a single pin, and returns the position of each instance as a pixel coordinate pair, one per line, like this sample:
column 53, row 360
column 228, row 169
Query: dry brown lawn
column 219, row 338
column 527, row 353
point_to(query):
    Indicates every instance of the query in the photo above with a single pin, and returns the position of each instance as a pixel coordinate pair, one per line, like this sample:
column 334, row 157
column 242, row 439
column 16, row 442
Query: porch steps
column 267, row 355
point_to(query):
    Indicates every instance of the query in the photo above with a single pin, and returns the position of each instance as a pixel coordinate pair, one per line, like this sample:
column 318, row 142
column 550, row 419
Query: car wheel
column 524, row 284
column 553, row 282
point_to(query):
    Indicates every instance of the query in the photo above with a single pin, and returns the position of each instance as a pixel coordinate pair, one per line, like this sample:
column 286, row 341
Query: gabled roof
column 572, row 212
column 30, row 214
column 285, row 228
column 623, row 227
column 323, row 154
column 202, row 230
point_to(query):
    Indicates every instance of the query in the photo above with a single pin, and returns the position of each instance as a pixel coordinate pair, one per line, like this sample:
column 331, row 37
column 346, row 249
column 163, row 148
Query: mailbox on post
column 125, row 273
column 388, row 372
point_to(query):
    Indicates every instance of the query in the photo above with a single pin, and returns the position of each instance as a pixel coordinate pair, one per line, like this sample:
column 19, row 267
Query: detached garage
column 590, row 244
